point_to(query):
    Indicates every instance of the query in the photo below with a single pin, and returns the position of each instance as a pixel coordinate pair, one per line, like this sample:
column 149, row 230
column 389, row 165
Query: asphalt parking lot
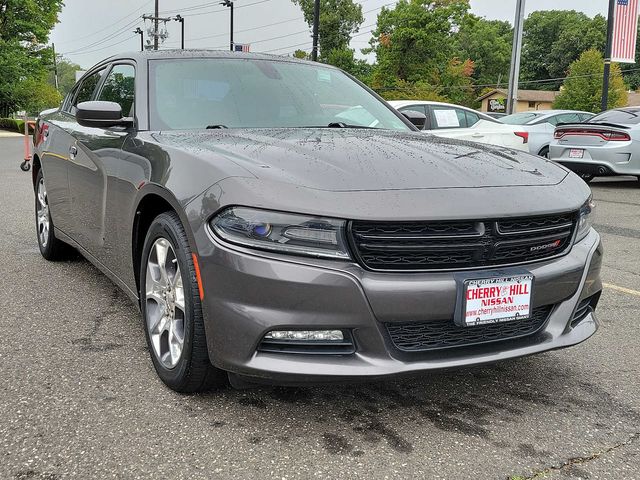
column 80, row 399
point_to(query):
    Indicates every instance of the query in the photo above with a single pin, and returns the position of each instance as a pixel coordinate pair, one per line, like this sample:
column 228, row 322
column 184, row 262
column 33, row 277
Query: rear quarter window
column 624, row 117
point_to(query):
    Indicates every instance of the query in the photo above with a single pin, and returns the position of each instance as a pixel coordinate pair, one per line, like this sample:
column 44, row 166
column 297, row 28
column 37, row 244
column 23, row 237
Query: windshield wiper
column 213, row 127
column 346, row 125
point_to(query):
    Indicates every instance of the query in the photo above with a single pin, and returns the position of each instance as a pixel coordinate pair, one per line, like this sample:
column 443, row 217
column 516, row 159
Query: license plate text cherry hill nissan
column 277, row 222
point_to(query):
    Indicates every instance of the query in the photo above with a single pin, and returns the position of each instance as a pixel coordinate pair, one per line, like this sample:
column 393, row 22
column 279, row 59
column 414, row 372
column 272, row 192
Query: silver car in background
column 542, row 123
column 604, row 146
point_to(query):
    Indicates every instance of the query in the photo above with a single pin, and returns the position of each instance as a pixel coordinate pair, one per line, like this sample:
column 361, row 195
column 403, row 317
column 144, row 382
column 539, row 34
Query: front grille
column 441, row 334
column 465, row 244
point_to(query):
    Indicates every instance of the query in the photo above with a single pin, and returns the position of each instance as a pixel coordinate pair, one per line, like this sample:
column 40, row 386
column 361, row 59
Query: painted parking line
column 621, row 289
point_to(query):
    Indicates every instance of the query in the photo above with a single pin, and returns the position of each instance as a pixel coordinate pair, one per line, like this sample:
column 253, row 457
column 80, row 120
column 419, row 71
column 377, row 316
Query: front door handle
column 73, row 151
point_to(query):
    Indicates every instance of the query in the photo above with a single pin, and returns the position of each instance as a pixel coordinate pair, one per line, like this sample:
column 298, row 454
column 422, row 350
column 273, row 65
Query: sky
column 89, row 31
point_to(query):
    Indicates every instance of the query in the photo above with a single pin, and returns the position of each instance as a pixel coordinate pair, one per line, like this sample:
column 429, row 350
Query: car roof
column 176, row 54
column 404, row 103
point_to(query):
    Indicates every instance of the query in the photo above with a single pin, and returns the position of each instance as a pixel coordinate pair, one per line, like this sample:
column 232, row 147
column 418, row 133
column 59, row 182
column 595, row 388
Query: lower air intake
column 441, row 334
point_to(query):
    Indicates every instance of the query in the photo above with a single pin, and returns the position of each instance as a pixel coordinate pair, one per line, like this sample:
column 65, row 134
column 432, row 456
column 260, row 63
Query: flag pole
column 607, row 57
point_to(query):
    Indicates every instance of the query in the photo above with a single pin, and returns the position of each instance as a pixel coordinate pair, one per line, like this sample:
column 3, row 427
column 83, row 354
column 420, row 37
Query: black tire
column 544, row 152
column 193, row 371
column 587, row 177
column 51, row 248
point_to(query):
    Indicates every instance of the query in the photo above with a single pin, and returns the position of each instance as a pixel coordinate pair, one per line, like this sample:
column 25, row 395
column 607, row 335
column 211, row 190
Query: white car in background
column 455, row 121
column 541, row 124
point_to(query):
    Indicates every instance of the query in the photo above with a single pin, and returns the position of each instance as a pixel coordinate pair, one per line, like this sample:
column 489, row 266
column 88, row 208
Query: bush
column 14, row 125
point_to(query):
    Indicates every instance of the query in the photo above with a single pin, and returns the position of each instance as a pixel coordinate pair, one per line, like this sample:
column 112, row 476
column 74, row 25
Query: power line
column 111, row 36
column 110, row 25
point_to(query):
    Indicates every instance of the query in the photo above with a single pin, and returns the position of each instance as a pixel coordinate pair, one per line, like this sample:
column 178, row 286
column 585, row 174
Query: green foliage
column 14, row 125
column 66, row 75
column 553, row 39
column 339, row 20
column 488, row 44
column 301, row 54
column 404, row 90
column 24, row 29
column 413, row 40
column 583, row 89
column 345, row 60
column 34, row 95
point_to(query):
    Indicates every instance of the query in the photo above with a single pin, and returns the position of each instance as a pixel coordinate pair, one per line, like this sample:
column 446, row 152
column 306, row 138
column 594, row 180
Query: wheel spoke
column 161, row 250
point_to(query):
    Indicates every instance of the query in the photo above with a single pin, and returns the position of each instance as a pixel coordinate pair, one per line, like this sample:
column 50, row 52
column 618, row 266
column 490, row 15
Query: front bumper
column 248, row 294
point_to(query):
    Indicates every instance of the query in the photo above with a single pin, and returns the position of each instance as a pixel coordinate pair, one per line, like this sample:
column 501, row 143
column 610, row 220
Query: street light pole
column 55, row 65
column 514, row 73
column 180, row 18
column 316, row 26
column 156, row 26
column 139, row 31
column 229, row 3
column 607, row 57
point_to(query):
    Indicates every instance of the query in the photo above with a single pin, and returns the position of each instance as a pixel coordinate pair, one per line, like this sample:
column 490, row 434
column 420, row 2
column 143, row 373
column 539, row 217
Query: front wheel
column 172, row 310
column 50, row 246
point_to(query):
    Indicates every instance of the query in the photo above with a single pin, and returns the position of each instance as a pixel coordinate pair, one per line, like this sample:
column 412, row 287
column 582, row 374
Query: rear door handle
column 477, row 135
column 73, row 151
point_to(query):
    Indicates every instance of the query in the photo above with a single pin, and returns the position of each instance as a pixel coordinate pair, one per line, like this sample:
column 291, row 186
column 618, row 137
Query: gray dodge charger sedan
column 277, row 222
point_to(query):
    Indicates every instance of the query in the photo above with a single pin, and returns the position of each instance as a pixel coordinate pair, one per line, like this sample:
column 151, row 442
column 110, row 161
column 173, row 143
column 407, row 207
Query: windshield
column 520, row 118
column 625, row 117
column 244, row 93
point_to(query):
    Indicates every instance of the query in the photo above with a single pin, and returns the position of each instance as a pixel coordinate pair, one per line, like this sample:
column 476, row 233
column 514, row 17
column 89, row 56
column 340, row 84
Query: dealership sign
column 497, row 105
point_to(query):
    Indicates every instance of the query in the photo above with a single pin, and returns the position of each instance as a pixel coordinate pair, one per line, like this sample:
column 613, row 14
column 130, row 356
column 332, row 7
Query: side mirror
column 99, row 114
column 417, row 118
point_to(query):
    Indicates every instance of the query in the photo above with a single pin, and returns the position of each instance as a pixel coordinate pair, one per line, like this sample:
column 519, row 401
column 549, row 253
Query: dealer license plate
column 497, row 299
column 576, row 153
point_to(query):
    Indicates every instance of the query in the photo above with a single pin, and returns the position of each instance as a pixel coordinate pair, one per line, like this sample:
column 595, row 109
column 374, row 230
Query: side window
column 568, row 118
column 87, row 88
column 66, row 104
column 419, row 109
column 415, row 108
column 553, row 120
column 585, row 116
column 472, row 119
column 119, row 88
column 445, row 117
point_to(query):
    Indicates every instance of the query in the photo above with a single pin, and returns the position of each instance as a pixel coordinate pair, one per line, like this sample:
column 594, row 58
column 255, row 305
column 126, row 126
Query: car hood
column 364, row 159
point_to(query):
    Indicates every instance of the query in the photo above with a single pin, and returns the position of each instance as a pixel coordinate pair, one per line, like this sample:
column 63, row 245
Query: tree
column 24, row 30
column 553, row 39
column 339, row 20
column 301, row 54
column 583, row 86
column 413, row 41
column 66, row 75
column 488, row 44
column 34, row 95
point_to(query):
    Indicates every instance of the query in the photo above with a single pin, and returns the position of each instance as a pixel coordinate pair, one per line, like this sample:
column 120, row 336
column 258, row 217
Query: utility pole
column 180, row 18
column 514, row 72
column 139, row 31
column 156, row 26
column 316, row 26
column 55, row 65
column 607, row 56
column 229, row 3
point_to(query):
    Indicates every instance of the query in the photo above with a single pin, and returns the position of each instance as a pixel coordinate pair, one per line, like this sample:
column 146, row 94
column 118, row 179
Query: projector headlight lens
column 282, row 232
column 585, row 221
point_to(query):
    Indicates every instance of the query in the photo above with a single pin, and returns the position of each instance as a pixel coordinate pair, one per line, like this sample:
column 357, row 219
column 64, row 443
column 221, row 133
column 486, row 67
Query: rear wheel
column 172, row 311
column 544, row 152
column 50, row 246
column 587, row 177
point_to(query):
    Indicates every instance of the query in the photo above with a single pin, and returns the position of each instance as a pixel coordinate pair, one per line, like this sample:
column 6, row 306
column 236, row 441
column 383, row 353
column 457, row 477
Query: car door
column 451, row 122
column 57, row 148
column 93, row 167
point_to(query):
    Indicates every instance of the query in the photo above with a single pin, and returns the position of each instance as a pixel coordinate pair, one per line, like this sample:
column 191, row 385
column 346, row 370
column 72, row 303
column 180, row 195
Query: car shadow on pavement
column 479, row 403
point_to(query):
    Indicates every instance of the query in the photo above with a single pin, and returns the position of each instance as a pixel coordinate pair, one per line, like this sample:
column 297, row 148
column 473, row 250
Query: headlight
column 585, row 220
column 282, row 232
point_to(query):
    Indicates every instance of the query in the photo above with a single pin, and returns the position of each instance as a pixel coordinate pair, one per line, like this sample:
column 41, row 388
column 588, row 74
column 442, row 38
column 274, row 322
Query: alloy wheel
column 165, row 303
column 42, row 214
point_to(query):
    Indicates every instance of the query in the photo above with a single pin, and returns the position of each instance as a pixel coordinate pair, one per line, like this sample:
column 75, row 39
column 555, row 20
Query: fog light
column 305, row 335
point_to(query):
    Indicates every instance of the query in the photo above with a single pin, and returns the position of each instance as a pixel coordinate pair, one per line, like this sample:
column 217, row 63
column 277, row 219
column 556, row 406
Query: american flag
column 625, row 26
column 244, row 47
